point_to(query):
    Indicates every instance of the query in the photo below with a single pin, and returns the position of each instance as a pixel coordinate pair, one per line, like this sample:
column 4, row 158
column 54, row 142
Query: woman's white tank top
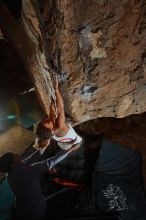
column 68, row 137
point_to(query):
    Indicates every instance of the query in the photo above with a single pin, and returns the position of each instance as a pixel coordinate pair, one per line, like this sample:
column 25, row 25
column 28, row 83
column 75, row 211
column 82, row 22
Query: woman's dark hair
column 42, row 132
column 6, row 161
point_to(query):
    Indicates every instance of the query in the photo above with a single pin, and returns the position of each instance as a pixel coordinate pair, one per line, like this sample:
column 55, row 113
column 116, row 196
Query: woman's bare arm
column 60, row 120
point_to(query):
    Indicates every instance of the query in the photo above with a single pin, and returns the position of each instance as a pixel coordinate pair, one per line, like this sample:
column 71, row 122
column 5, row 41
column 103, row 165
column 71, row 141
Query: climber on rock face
column 56, row 128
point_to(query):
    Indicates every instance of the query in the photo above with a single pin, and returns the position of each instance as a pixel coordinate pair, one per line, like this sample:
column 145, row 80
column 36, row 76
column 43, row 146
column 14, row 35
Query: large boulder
column 99, row 48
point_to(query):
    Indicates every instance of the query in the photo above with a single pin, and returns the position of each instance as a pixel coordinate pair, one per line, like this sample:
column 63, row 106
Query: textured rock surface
column 23, row 31
column 99, row 47
column 15, row 140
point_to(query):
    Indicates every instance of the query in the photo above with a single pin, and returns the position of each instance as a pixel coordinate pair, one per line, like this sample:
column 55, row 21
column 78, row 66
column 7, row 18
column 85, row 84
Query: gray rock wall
column 99, row 48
